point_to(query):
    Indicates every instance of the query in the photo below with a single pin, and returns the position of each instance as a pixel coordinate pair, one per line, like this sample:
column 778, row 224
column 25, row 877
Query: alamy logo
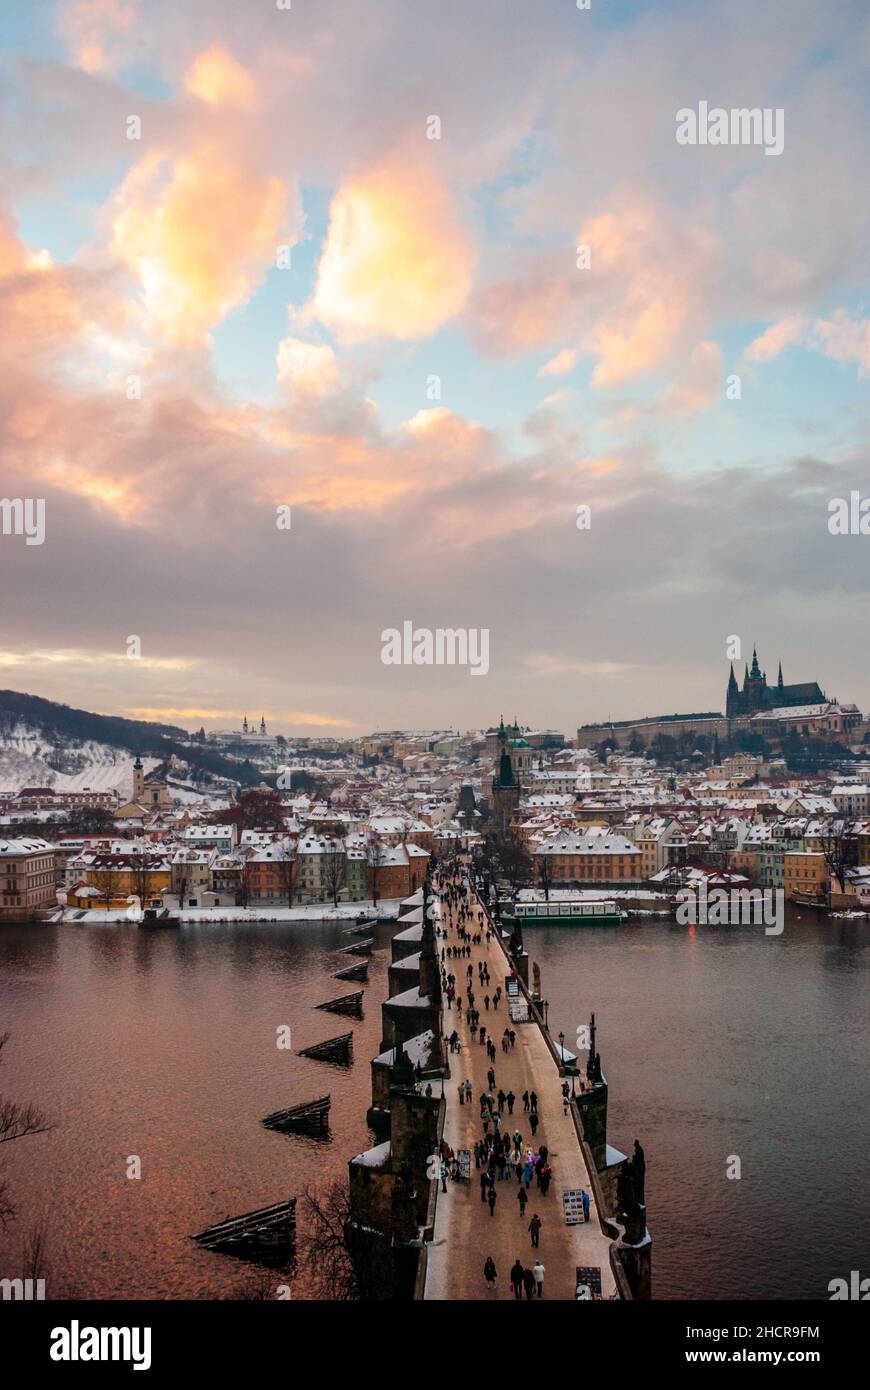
column 739, row 907
column 740, row 126
column 446, row 646
column 23, row 1290
column 853, row 1288
column 23, row 516
column 75, row 1343
column 849, row 518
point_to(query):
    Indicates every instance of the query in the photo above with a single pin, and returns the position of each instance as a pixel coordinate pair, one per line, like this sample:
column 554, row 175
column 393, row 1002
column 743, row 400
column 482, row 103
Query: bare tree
column 545, row 874
column 333, row 872
column 104, row 881
column 16, row 1122
column 286, row 860
column 376, row 857
column 347, row 1258
column 141, row 869
column 840, row 848
column 514, row 860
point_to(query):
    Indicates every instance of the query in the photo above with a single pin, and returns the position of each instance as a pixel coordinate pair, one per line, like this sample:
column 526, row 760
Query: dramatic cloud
column 218, row 79
column 199, row 232
column 445, row 376
column 397, row 259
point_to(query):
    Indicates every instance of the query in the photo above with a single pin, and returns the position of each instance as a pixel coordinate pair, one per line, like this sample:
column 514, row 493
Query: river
column 717, row 1043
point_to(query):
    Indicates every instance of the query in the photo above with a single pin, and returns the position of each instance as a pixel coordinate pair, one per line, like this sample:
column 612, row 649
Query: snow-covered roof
column 418, row 1050
column 377, row 1157
column 28, row 845
column 592, row 842
column 410, row 999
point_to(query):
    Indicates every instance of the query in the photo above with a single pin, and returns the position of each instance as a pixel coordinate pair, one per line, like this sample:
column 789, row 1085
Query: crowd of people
column 510, row 1166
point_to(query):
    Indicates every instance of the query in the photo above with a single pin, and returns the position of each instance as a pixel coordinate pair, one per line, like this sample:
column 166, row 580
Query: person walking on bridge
column 517, row 1278
column 535, row 1230
column 522, row 1198
column 491, row 1198
column 538, row 1271
column 489, row 1271
column 529, row 1284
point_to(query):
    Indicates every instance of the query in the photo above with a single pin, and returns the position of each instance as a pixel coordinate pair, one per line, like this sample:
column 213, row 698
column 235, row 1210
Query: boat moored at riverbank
column 581, row 913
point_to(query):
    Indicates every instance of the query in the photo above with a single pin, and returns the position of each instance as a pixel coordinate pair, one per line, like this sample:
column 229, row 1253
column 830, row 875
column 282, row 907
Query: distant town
column 773, row 793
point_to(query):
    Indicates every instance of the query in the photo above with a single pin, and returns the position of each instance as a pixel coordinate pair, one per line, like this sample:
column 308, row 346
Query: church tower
column 732, row 697
column 138, row 780
column 754, row 686
column 505, row 786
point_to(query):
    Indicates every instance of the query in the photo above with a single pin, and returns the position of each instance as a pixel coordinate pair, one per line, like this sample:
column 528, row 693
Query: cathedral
column 758, row 695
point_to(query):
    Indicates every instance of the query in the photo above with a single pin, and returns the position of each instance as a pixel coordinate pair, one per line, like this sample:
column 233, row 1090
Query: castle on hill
column 757, row 695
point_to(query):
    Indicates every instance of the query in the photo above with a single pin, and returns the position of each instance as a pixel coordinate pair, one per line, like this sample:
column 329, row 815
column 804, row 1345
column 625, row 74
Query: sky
column 441, row 280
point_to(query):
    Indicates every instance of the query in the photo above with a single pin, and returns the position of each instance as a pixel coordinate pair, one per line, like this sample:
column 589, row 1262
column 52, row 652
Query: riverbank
column 386, row 911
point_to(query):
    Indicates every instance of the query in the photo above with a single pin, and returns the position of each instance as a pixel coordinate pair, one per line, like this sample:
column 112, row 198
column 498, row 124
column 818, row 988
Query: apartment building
column 27, row 877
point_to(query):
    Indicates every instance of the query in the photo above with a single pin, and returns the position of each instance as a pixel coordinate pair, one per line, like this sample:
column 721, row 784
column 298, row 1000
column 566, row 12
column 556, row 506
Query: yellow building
column 116, row 877
column 804, row 872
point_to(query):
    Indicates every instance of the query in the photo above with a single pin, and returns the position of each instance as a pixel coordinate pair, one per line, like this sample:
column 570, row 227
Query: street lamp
column 562, row 1048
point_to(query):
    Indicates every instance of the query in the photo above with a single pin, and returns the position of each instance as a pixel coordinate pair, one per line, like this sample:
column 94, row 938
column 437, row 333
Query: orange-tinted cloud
column 564, row 361
column 778, row 336
column 309, row 369
column 641, row 325
column 636, row 304
column 397, row 260
column 98, row 31
column 199, row 231
column 218, row 79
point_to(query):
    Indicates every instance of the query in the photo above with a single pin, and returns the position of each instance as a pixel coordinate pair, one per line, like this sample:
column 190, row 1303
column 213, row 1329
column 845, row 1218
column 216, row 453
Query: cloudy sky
column 238, row 274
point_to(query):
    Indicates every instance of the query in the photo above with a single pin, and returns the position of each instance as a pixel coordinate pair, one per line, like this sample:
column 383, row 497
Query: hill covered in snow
column 46, row 744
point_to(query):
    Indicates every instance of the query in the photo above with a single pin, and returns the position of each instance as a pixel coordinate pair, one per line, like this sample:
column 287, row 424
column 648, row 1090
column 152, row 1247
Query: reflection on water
column 163, row 1044
column 720, row 1041
column 715, row 1042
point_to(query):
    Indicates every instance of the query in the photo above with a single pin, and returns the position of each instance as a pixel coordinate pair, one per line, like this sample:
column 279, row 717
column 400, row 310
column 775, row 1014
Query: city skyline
column 312, row 329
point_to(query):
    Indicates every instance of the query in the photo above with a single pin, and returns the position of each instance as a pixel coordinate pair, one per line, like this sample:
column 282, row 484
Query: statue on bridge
column 638, row 1166
column 631, row 1185
column 593, row 1064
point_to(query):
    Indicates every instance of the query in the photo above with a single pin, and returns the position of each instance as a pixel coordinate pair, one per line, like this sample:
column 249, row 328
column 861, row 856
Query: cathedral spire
column 779, row 682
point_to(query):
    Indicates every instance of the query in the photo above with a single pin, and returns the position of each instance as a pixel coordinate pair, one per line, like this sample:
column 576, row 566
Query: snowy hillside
column 29, row 759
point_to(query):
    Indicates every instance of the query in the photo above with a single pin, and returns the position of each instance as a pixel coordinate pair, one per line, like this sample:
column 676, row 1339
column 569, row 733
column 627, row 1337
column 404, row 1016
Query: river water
column 717, row 1043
